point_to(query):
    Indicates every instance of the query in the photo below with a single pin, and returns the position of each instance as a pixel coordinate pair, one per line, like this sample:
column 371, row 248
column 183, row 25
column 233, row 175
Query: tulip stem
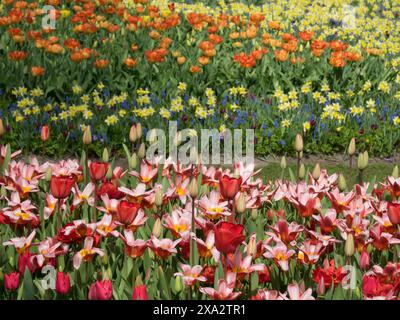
column 94, row 218
column 298, row 166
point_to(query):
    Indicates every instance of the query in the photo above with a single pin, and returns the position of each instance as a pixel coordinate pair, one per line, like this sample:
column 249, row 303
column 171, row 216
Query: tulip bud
column 49, row 173
column 193, row 188
column 3, row 191
column 316, row 172
column 349, row 245
column 158, row 196
column 157, row 228
column 321, row 287
column 139, row 131
column 87, row 136
column 132, row 134
column 370, row 248
column 283, row 163
column 364, row 260
column 254, row 214
column 352, row 147
column 104, row 260
column 2, row 130
column 240, row 203
column 141, row 151
column 45, row 133
column 342, row 184
column 360, row 161
column 133, row 161
column 178, row 284
column 302, row 171
column 366, row 158
column 395, row 173
column 252, row 247
column 298, row 145
column 105, row 157
column 109, row 173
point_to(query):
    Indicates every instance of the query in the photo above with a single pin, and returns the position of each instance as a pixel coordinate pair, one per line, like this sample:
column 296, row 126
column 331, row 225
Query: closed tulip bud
column 178, row 284
column 105, row 157
column 3, row 191
column 364, row 260
column 158, row 197
column 11, row 281
column 298, row 144
column 49, row 173
column 139, row 131
column 240, row 203
column 395, row 173
column 370, row 248
column 254, row 214
column 45, row 133
column 321, row 287
column 133, row 161
column 132, row 134
column 157, row 228
column 302, row 171
column 283, row 163
column 63, row 284
column 361, row 162
column 349, row 245
column 366, row 158
column 104, row 260
column 87, row 136
column 316, row 172
column 193, row 188
column 142, row 151
column 2, row 130
column 342, row 184
column 109, row 173
column 252, row 247
column 352, row 147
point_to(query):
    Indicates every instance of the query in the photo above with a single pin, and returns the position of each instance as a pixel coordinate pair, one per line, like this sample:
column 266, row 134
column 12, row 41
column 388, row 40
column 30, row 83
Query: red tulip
column 101, row 290
column 44, row 134
column 364, row 260
column 25, row 261
column 229, row 186
column 228, row 236
column 394, row 212
column 62, row 283
column 11, row 281
column 140, row 293
column 111, row 190
column 98, row 170
column 126, row 212
column 61, row 186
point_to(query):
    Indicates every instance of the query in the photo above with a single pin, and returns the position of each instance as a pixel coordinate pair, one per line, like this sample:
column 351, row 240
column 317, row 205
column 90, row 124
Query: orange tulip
column 37, row 71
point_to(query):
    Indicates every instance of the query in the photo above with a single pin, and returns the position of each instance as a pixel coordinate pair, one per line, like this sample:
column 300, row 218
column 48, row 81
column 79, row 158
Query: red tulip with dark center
column 61, row 186
column 228, row 236
column 126, row 212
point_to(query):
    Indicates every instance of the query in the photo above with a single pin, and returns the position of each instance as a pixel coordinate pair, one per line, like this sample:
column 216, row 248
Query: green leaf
column 28, row 288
